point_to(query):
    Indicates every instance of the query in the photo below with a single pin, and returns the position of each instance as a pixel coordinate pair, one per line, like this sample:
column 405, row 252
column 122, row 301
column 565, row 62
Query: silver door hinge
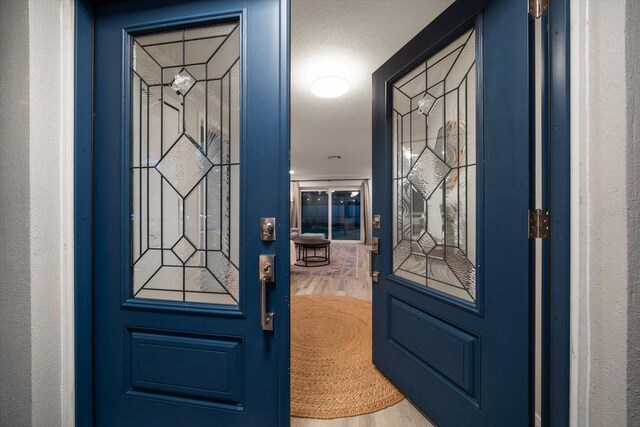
column 375, row 277
column 538, row 7
column 539, row 224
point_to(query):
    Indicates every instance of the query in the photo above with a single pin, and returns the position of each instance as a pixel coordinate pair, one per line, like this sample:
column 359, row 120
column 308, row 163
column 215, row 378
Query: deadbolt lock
column 267, row 229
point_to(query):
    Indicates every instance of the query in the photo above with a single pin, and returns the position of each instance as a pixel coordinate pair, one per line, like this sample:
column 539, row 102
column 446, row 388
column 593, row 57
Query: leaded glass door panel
column 434, row 171
column 185, row 165
column 183, row 171
column 451, row 311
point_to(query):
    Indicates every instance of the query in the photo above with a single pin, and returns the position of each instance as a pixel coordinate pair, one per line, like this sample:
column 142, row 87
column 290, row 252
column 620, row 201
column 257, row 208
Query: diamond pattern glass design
column 185, row 165
column 183, row 82
column 434, row 183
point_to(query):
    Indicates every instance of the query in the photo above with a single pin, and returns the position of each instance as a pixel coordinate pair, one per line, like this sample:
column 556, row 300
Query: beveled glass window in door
column 185, row 164
column 434, row 171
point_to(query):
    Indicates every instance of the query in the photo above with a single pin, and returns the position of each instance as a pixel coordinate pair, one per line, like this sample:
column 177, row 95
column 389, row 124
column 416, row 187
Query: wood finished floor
column 404, row 414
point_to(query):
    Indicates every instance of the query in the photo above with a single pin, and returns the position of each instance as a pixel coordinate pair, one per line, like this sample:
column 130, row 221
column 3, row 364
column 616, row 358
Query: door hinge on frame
column 538, row 7
column 539, row 224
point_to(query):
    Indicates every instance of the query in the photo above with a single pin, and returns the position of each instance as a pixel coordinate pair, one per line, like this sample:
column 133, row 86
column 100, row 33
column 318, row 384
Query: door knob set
column 266, row 271
column 267, row 276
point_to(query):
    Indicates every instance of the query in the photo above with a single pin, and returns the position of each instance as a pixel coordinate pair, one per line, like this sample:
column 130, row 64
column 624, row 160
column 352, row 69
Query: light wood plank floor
column 404, row 413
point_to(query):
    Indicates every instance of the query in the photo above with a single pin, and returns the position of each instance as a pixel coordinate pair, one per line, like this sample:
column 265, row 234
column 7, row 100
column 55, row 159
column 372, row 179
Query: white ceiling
column 349, row 38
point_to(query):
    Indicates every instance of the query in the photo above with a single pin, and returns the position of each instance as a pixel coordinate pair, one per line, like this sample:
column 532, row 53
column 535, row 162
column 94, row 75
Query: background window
column 345, row 215
column 334, row 213
column 315, row 212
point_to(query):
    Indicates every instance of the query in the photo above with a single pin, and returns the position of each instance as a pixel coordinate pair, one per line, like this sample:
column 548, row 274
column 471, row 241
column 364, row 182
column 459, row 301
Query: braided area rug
column 332, row 375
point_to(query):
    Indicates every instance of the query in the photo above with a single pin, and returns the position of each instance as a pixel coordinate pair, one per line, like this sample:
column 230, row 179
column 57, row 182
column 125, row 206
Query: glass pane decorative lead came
column 185, row 166
column 434, row 182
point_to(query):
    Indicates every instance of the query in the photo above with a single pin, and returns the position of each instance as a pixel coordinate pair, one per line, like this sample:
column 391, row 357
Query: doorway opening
column 317, row 128
column 335, row 48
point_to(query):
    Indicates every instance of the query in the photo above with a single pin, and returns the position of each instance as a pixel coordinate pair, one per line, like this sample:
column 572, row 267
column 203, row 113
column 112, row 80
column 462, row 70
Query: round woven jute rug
column 332, row 375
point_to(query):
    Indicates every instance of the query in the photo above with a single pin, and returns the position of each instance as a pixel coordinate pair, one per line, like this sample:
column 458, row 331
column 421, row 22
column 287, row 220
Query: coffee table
column 321, row 252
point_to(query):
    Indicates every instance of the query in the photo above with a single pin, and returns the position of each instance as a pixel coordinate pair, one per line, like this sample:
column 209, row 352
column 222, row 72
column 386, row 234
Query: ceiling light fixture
column 329, row 87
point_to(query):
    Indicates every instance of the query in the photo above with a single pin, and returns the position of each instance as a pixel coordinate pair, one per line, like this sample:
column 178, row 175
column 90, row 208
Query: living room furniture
column 312, row 252
column 295, row 232
column 313, row 236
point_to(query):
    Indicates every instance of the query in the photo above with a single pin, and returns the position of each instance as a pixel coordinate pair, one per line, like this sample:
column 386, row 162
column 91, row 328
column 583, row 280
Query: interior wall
column 632, row 42
column 45, row 200
column 15, row 293
column 67, row 232
column 32, row 266
column 602, row 332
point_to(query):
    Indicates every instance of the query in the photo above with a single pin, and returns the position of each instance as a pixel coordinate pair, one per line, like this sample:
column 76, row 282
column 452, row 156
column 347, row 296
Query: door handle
column 375, row 250
column 267, row 275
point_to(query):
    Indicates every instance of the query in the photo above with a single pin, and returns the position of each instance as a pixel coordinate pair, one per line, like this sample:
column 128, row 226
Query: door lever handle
column 266, row 317
column 375, row 250
column 375, row 245
column 267, row 275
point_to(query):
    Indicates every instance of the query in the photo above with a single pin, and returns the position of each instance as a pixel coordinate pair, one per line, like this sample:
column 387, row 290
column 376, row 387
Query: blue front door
column 190, row 151
column 451, row 160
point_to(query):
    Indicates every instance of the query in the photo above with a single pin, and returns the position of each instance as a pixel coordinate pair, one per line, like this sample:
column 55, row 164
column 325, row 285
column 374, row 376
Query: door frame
column 556, row 310
column 556, row 322
column 84, row 400
column 556, row 325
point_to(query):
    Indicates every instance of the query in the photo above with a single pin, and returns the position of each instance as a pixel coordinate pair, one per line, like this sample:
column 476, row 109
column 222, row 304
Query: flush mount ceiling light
column 329, row 87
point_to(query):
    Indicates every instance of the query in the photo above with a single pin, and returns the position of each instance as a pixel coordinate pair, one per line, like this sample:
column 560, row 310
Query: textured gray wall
column 632, row 37
column 607, row 233
column 15, row 298
column 45, row 194
column 30, row 240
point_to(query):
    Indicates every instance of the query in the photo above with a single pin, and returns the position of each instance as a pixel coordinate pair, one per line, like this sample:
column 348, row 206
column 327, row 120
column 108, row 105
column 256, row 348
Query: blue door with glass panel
column 190, row 151
column 451, row 161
